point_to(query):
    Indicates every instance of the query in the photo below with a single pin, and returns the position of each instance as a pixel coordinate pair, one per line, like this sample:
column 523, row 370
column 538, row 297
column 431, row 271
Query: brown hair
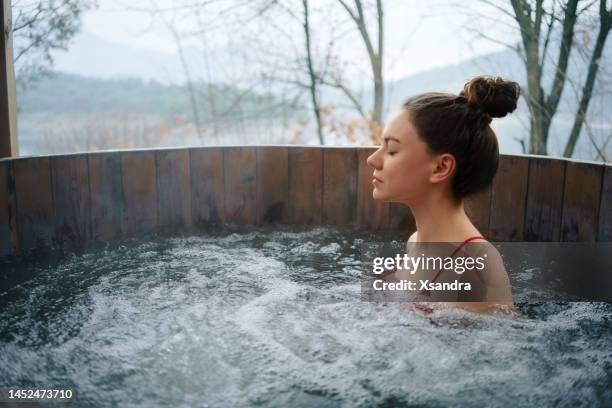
column 459, row 125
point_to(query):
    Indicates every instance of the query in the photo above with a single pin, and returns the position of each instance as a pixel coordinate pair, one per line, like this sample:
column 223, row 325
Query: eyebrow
column 387, row 138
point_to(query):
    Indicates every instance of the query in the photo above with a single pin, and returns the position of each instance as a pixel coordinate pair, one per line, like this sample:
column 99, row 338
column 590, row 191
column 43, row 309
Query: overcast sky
column 420, row 35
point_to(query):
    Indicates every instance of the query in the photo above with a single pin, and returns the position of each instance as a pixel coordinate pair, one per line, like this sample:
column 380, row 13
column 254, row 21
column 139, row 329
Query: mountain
column 514, row 127
column 71, row 94
column 103, row 68
column 508, row 65
column 451, row 78
column 89, row 55
column 92, row 56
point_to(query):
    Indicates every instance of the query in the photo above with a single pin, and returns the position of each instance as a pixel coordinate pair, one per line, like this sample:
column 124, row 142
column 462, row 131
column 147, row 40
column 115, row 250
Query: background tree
column 605, row 21
column 374, row 47
column 294, row 47
column 313, row 76
column 219, row 93
column 303, row 64
column 39, row 28
column 292, row 53
column 544, row 26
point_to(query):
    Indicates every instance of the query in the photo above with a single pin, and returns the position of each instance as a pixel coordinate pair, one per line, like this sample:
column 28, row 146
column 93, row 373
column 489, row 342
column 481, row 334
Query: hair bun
column 493, row 95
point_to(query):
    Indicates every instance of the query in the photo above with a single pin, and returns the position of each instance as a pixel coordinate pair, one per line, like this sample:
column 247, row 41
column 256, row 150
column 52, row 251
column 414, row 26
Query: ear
column 444, row 166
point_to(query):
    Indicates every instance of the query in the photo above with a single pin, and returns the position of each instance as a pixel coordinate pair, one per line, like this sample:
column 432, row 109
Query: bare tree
column 40, row 27
column 543, row 107
column 605, row 21
column 536, row 23
column 312, row 74
column 188, row 78
column 294, row 58
column 297, row 59
column 188, row 21
column 375, row 55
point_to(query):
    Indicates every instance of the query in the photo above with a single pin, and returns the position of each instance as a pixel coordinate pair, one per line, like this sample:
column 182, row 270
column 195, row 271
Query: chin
column 377, row 196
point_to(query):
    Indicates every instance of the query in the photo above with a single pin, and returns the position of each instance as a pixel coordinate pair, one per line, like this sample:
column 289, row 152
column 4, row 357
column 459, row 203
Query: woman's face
column 403, row 169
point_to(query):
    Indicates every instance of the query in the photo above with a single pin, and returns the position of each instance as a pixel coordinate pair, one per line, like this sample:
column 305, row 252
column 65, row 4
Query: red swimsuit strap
column 465, row 242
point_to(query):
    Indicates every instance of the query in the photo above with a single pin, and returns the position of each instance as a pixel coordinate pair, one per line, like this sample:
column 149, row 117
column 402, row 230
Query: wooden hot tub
column 66, row 201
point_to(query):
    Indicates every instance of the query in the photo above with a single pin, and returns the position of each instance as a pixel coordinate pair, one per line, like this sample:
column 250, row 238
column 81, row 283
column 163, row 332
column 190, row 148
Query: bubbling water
column 274, row 318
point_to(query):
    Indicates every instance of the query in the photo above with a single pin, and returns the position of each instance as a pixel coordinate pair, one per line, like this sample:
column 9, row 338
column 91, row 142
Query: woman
column 438, row 150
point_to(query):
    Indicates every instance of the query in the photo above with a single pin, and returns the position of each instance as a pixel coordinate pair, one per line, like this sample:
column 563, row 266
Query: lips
column 376, row 179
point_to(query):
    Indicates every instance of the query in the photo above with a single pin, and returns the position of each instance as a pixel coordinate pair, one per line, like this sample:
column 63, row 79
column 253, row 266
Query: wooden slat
column 508, row 199
column 272, row 185
column 207, row 189
column 71, row 201
column 478, row 209
column 339, row 186
column 581, row 201
column 240, row 169
column 105, row 186
column 371, row 214
column 174, row 188
column 9, row 145
column 139, row 191
column 305, row 185
column 8, row 217
column 605, row 207
column 544, row 199
column 34, row 202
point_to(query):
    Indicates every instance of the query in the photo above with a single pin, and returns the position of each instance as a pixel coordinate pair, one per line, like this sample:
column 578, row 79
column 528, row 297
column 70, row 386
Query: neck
column 439, row 218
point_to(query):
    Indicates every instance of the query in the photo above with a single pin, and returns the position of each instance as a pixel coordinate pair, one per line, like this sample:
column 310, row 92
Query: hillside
column 64, row 93
column 69, row 101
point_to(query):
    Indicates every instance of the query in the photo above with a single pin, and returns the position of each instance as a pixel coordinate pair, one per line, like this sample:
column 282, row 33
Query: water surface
column 275, row 318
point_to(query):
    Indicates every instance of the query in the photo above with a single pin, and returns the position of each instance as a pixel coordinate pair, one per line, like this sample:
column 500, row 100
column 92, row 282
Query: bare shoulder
column 411, row 240
column 495, row 273
column 489, row 279
column 413, row 237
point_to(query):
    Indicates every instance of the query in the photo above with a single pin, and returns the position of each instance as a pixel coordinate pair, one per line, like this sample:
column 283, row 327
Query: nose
column 374, row 160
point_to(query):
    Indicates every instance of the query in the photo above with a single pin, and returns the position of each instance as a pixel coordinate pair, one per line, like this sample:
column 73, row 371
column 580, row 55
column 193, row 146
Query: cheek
column 410, row 176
